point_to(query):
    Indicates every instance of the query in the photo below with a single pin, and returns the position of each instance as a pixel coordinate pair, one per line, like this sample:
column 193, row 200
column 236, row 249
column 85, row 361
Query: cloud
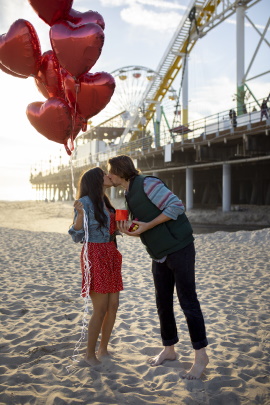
column 116, row 3
column 162, row 4
column 247, row 24
column 139, row 16
column 154, row 3
column 9, row 12
column 156, row 15
column 141, row 13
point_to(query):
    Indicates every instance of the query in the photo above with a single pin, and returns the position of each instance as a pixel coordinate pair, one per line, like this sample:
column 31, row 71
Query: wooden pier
column 207, row 164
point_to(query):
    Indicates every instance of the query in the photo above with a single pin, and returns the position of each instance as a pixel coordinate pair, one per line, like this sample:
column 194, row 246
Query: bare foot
column 92, row 361
column 102, row 353
column 198, row 367
column 167, row 353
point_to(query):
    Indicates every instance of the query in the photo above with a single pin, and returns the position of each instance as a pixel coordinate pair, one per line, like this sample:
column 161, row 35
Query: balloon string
column 72, row 179
column 77, row 88
column 85, row 293
column 86, row 263
column 62, row 85
column 69, row 144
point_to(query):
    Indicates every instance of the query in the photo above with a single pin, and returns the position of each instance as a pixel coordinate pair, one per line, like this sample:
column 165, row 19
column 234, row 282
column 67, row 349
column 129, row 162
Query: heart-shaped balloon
column 54, row 119
column 91, row 95
column 78, row 18
column 48, row 79
column 20, row 49
column 77, row 48
column 51, row 11
column 6, row 70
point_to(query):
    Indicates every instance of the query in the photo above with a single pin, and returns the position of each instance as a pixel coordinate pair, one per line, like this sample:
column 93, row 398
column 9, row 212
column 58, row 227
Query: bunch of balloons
column 62, row 74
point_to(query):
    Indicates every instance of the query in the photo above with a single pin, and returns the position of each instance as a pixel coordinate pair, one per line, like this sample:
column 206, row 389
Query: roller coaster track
column 208, row 14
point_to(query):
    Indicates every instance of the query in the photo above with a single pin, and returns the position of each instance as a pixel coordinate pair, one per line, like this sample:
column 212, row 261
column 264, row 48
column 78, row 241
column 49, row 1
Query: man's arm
column 164, row 200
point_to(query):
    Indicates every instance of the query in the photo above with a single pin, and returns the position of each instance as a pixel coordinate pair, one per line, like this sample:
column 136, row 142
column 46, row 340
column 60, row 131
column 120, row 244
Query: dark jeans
column 179, row 269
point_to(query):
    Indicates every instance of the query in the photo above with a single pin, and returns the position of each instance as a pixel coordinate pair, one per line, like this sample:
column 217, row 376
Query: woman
column 104, row 259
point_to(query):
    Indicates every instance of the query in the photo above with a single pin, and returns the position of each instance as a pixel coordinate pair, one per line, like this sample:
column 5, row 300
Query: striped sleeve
column 163, row 198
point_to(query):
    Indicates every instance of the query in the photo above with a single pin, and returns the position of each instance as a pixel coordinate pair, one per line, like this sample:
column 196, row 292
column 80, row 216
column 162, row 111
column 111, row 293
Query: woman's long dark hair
column 91, row 184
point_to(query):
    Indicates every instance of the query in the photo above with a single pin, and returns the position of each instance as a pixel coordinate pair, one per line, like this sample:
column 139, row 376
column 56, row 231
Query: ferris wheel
column 131, row 83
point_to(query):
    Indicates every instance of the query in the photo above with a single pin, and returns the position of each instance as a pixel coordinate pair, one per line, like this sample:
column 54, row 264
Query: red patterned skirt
column 105, row 268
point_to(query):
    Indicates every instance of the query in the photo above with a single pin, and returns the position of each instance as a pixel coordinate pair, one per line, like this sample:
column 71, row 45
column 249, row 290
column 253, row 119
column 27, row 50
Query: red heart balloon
column 77, row 48
column 91, row 95
column 54, row 119
column 51, row 11
column 20, row 49
column 48, row 79
column 6, row 70
column 78, row 18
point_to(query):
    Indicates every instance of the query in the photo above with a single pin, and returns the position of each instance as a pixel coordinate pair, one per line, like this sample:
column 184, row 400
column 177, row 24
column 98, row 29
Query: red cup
column 121, row 215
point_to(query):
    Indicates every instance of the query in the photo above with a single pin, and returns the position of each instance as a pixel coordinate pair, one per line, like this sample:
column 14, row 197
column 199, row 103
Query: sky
column 137, row 32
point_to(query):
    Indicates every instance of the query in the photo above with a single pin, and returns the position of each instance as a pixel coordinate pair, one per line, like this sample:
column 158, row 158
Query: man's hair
column 123, row 167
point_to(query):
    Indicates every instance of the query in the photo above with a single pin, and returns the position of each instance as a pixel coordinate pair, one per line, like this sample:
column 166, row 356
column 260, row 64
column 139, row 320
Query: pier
column 207, row 163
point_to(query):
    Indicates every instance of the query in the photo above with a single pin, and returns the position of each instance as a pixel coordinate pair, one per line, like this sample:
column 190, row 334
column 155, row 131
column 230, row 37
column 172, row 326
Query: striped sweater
column 163, row 198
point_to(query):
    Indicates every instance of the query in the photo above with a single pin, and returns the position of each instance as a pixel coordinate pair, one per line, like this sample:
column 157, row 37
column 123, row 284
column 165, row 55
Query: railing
column 212, row 124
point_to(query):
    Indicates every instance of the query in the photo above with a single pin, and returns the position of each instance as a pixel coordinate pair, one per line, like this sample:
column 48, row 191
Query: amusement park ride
column 146, row 115
column 144, row 98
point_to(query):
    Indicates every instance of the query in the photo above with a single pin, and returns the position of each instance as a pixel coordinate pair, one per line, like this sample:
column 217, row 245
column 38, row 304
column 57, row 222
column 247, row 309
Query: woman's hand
column 78, row 224
column 78, row 205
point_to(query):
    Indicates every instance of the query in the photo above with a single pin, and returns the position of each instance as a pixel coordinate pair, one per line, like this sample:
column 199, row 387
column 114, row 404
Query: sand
column 41, row 319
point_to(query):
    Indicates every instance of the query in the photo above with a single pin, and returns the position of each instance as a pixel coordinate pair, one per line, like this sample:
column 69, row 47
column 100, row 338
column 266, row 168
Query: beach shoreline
column 58, row 216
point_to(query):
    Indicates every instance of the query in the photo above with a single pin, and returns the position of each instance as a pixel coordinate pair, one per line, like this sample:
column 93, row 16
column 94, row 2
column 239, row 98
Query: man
column 167, row 234
column 264, row 109
column 232, row 115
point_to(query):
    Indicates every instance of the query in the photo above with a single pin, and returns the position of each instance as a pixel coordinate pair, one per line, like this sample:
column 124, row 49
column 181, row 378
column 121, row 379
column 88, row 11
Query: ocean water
column 202, row 228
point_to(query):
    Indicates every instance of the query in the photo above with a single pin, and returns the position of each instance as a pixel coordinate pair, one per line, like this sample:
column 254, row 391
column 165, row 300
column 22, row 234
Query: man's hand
column 124, row 225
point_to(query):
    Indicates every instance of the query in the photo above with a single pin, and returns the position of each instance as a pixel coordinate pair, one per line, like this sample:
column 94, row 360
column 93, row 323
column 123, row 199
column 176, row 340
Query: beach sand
column 41, row 319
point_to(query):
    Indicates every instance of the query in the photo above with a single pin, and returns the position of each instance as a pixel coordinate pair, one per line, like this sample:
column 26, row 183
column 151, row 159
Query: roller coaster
column 149, row 107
